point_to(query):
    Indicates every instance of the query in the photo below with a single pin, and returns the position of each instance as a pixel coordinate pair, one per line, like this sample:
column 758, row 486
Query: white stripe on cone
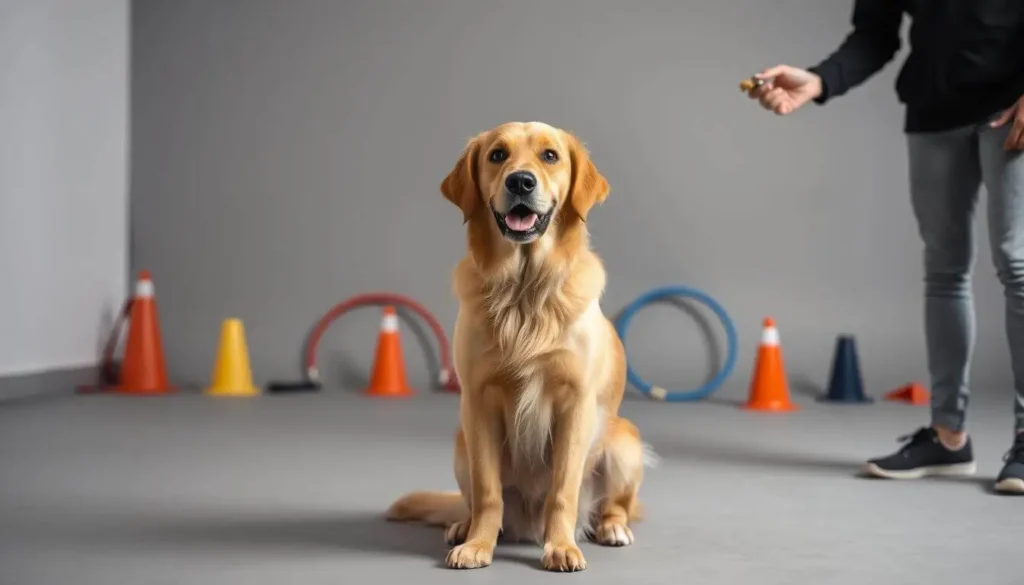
column 389, row 324
column 144, row 288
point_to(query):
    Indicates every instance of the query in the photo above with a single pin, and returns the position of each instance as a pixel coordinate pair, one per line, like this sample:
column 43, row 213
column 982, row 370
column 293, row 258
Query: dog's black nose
column 521, row 183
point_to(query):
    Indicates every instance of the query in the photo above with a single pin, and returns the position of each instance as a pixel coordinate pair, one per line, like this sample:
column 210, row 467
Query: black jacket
column 966, row 58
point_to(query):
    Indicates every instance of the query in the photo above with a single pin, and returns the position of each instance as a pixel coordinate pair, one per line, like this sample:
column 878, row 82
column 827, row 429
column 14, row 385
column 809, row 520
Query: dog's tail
column 432, row 508
column 650, row 459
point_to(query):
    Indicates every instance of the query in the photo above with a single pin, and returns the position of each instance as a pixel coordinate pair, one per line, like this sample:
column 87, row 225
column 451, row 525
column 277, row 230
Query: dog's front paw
column 456, row 533
column 471, row 555
column 563, row 558
column 614, row 534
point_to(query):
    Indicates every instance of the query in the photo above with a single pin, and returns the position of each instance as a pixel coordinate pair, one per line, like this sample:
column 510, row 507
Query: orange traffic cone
column 769, row 389
column 913, row 393
column 143, row 371
column 388, row 376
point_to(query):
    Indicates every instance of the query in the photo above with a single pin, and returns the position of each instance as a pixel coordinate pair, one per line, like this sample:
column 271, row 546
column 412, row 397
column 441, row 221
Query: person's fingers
column 778, row 106
column 762, row 90
column 1015, row 139
column 780, row 102
column 772, row 72
column 772, row 92
column 1005, row 117
column 773, row 98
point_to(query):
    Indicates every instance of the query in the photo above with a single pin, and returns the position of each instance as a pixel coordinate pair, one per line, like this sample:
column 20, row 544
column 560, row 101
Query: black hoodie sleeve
column 873, row 42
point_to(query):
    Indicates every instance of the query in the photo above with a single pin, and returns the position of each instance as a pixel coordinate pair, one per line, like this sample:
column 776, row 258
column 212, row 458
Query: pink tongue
column 520, row 224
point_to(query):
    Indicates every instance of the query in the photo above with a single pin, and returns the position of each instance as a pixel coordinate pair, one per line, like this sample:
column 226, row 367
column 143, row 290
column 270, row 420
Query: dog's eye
column 497, row 155
column 549, row 156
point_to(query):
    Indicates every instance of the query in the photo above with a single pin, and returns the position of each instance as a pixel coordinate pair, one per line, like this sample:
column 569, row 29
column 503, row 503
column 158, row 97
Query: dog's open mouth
column 522, row 223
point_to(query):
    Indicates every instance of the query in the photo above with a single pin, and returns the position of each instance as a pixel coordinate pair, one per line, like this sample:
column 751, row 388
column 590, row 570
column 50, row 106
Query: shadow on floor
column 804, row 386
column 300, row 533
column 732, row 454
column 746, row 455
column 983, row 483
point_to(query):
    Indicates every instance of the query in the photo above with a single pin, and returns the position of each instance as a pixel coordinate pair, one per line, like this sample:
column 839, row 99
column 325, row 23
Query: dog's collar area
column 537, row 229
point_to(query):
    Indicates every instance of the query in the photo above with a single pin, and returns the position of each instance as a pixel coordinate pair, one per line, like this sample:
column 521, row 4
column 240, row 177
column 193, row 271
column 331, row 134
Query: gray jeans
column 947, row 170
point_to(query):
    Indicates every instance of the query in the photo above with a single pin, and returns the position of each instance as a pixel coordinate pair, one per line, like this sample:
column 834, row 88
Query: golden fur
column 541, row 453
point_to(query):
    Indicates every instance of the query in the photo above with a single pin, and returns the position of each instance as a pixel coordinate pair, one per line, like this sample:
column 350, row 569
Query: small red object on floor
column 913, row 393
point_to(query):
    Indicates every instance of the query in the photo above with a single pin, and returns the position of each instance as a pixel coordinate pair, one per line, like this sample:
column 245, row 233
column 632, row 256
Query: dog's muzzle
column 525, row 219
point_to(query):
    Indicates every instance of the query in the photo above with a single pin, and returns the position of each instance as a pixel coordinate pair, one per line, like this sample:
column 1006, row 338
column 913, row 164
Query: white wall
column 63, row 178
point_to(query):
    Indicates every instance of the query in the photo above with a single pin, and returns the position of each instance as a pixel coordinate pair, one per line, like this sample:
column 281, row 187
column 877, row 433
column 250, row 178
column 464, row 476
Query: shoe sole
column 953, row 470
column 1011, row 485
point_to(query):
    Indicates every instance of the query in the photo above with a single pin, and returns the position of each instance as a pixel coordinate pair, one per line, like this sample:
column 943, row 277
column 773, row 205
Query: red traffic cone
column 769, row 389
column 388, row 377
column 143, row 371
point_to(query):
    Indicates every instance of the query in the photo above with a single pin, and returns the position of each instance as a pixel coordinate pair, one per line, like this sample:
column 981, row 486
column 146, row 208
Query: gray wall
column 287, row 155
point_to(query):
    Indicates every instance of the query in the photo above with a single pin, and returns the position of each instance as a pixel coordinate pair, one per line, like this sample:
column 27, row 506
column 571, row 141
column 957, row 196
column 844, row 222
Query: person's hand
column 1015, row 139
column 785, row 89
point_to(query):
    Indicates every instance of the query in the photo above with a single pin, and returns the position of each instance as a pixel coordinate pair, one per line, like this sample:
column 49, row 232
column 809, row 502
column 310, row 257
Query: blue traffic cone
column 845, row 383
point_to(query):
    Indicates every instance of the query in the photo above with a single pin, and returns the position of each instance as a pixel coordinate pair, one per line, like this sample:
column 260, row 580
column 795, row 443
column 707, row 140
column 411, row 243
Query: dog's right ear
column 460, row 186
column 588, row 187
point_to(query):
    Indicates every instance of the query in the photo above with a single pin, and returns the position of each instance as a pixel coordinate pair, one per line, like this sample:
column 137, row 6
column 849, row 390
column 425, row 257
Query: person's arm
column 873, row 42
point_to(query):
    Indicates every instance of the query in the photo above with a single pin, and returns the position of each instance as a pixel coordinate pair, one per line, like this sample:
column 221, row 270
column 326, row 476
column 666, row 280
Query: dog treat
column 749, row 84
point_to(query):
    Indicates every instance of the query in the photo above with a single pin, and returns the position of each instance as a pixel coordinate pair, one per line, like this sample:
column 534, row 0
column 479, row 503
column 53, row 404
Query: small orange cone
column 232, row 375
column 143, row 371
column 769, row 389
column 913, row 393
column 388, row 377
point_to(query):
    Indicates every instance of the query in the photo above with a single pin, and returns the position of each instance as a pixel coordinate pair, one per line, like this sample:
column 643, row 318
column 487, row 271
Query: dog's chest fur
column 528, row 338
column 535, row 320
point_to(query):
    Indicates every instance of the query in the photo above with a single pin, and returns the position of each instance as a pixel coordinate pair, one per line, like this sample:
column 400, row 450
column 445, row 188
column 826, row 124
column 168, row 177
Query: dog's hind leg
column 621, row 473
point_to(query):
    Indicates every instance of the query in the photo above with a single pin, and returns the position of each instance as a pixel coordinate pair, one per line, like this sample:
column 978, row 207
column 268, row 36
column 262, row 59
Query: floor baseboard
column 45, row 384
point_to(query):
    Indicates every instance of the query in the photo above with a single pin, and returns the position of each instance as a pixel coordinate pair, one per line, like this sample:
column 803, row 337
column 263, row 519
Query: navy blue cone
column 845, row 382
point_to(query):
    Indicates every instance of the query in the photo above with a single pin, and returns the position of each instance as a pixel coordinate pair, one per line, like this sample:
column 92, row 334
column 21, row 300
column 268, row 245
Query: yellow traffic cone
column 232, row 375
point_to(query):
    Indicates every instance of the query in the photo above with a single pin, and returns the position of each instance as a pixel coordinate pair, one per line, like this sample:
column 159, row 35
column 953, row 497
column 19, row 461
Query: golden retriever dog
column 541, row 453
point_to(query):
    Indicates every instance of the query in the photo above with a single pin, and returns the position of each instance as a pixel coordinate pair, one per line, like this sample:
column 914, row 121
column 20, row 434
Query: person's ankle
column 952, row 440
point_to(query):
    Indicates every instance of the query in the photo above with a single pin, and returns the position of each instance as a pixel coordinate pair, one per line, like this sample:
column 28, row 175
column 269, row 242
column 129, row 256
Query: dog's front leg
column 484, row 427
column 573, row 429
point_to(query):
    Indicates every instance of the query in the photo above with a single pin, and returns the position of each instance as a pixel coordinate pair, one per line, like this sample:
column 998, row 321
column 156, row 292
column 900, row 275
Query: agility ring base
column 683, row 292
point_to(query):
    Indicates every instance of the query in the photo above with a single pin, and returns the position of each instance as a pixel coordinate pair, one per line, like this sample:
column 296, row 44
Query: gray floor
column 288, row 489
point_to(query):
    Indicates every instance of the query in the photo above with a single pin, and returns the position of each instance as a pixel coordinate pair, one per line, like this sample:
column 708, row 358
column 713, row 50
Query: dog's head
column 523, row 177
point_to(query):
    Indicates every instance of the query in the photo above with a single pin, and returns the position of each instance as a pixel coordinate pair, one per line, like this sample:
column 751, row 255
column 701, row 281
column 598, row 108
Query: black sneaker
column 1011, row 478
column 923, row 455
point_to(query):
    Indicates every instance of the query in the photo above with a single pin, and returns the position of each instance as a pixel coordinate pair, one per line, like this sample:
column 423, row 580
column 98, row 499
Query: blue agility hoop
column 657, row 392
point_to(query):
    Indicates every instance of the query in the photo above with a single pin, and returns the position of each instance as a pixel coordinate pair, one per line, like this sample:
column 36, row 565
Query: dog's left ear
column 588, row 186
column 460, row 186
